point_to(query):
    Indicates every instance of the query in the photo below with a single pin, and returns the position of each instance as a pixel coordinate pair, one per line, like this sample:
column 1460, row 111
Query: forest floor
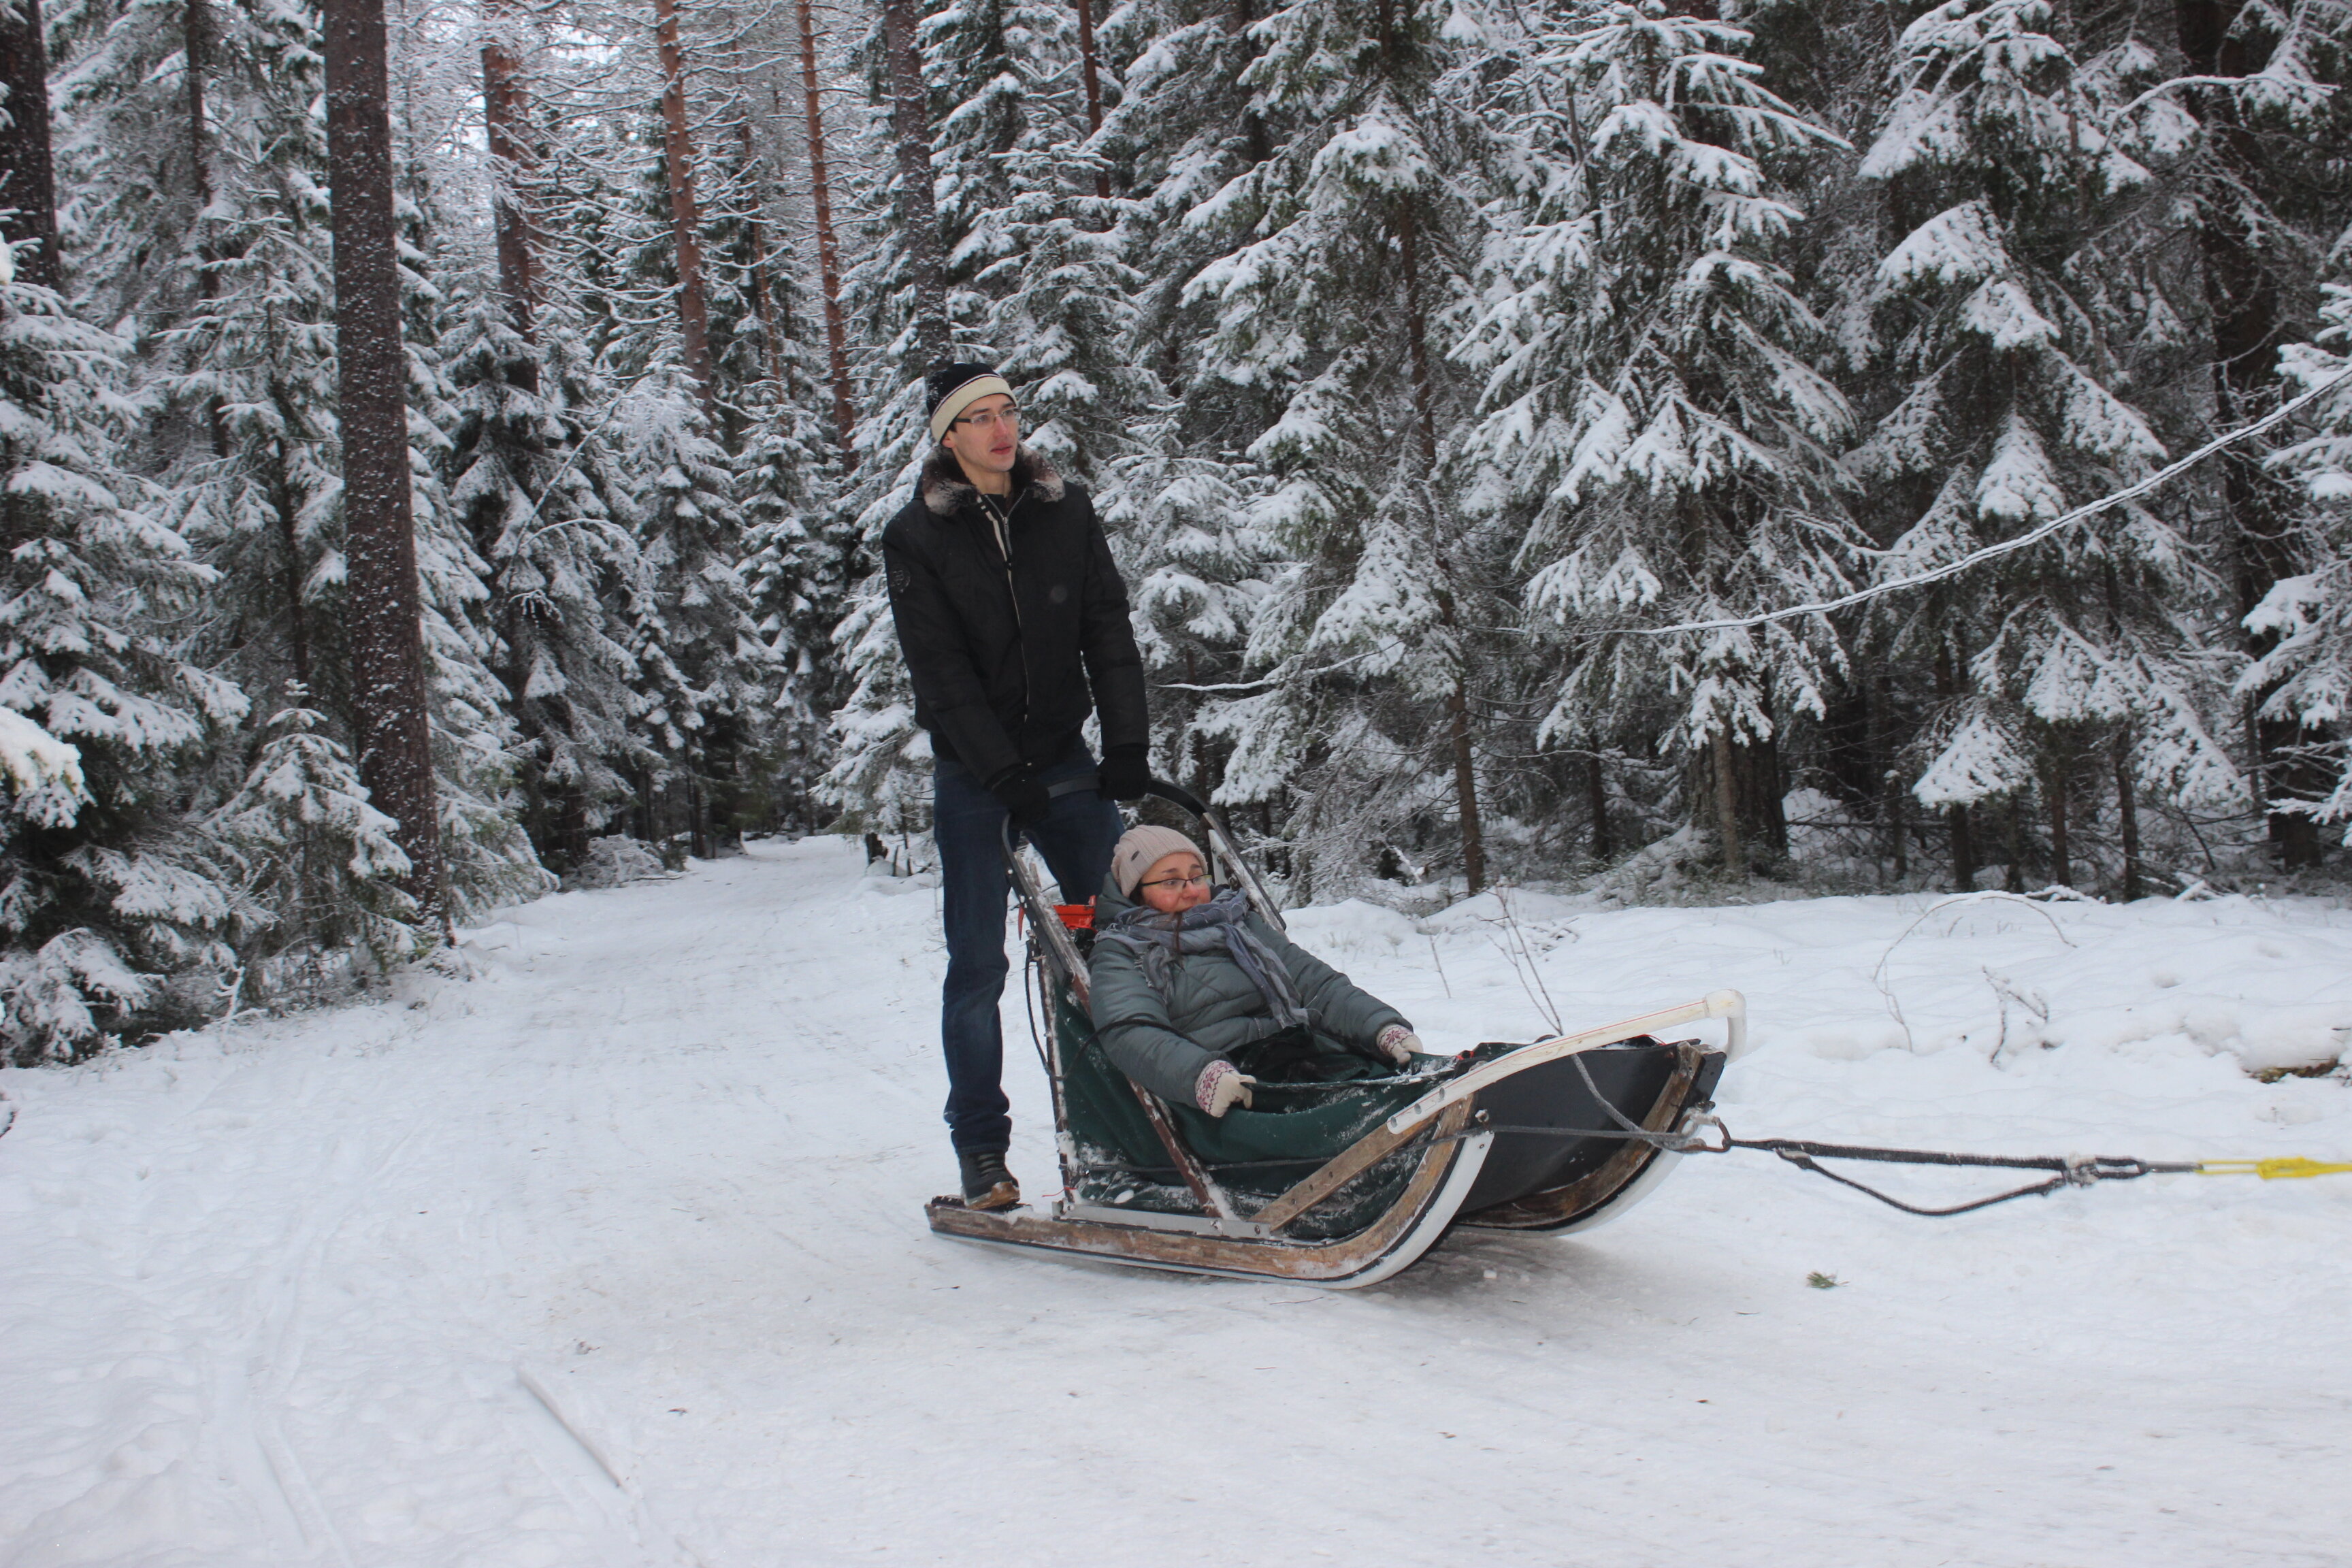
column 613, row 1254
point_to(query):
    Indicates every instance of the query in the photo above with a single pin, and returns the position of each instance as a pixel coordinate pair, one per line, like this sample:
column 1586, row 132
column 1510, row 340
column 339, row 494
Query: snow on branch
column 2007, row 546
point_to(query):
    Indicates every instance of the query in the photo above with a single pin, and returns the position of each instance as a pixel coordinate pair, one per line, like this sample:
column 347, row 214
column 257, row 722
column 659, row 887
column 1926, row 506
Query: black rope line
column 1805, row 1154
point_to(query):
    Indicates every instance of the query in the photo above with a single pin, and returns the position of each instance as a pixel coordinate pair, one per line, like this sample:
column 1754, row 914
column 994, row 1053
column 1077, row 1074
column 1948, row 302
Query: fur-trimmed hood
column 945, row 490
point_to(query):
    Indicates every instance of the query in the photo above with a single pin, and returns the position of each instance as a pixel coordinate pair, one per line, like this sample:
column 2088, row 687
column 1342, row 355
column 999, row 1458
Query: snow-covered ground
column 615, row 1255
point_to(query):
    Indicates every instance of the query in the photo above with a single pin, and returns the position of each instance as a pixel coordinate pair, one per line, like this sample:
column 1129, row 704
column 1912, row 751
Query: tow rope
column 2067, row 1170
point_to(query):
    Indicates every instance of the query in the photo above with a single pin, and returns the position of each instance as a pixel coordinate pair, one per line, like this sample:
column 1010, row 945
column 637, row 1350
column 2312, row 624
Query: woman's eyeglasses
column 1198, row 882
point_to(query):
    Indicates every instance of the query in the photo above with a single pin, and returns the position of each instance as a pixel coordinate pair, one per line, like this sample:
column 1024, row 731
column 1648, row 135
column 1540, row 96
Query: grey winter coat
column 1212, row 1008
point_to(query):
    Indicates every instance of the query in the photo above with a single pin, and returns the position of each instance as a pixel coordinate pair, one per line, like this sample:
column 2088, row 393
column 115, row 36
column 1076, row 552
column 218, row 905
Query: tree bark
column 284, row 502
column 1963, row 841
column 195, row 46
column 387, row 643
column 1891, row 793
column 911, row 122
column 1727, row 803
column 28, row 182
column 506, row 116
column 2062, row 857
column 1457, row 699
column 685, row 213
column 1964, row 849
column 756, row 231
column 2128, row 818
column 1094, row 86
column 1596, row 807
column 828, row 245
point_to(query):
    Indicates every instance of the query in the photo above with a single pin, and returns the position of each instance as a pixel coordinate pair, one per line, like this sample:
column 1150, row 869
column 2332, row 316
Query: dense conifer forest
column 1460, row 380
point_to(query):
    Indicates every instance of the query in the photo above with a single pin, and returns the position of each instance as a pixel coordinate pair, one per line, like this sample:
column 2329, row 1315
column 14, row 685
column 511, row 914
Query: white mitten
column 1219, row 1085
column 1398, row 1044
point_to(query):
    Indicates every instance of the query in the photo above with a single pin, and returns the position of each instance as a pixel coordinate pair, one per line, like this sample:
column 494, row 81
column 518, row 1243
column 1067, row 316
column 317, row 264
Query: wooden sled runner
column 1344, row 1184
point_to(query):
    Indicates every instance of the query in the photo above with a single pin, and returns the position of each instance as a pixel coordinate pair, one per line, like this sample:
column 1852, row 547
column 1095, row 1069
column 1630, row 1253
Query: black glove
column 1023, row 797
column 1125, row 772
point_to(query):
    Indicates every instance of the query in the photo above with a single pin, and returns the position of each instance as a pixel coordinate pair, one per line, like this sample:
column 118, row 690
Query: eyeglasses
column 990, row 418
column 1200, row 882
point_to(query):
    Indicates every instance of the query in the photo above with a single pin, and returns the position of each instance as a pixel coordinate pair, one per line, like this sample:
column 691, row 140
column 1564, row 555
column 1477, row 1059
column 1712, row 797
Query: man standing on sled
column 1013, row 623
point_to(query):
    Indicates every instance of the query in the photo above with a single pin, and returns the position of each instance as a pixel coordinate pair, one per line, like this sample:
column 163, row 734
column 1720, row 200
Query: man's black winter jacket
column 1003, row 660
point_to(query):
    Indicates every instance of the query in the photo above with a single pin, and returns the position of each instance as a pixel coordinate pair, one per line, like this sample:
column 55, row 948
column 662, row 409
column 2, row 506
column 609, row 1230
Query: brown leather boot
column 987, row 1184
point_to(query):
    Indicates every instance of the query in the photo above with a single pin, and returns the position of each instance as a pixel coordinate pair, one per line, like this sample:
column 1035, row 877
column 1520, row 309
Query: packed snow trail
column 615, row 1255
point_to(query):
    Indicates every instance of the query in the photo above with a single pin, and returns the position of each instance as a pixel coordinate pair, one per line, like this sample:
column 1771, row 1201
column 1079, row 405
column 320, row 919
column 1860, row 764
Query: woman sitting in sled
column 1197, row 999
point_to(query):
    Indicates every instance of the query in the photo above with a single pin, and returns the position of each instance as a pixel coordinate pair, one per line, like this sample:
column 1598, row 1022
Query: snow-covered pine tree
column 1335, row 275
column 536, row 492
column 2303, row 676
column 706, row 677
column 487, row 856
column 117, row 909
column 2265, row 185
column 880, row 767
column 301, row 829
column 2025, row 291
column 1652, row 426
column 1183, row 126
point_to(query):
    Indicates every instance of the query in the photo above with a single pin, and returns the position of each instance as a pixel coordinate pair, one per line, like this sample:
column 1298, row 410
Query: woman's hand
column 1398, row 1044
column 1219, row 1085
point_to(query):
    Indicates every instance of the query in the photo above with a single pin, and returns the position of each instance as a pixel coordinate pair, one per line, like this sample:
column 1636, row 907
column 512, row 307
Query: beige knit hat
column 1140, row 848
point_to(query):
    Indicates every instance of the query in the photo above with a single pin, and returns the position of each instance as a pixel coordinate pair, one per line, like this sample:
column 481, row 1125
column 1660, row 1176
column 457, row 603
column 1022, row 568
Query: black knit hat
column 949, row 388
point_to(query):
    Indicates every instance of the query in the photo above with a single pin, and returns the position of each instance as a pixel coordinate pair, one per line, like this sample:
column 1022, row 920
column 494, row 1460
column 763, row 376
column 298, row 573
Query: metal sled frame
column 1448, row 1129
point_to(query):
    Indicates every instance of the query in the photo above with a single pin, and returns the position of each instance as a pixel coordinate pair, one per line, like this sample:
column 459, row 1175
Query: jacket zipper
column 1002, row 522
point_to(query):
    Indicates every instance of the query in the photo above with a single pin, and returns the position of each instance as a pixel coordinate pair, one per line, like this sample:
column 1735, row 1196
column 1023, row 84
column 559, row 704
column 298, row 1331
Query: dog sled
column 1342, row 1184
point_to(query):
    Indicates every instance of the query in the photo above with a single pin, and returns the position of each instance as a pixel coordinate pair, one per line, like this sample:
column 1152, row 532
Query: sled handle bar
column 1729, row 1005
column 1225, row 852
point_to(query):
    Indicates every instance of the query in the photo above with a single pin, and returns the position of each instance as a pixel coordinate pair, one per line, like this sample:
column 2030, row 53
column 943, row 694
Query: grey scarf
column 1220, row 925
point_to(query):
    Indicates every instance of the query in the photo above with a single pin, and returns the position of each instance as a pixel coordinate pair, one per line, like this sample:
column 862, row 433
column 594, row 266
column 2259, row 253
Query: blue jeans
column 968, row 822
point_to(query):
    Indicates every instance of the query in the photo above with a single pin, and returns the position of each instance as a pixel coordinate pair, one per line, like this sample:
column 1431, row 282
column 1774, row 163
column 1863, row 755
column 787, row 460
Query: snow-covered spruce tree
column 797, row 554
column 486, row 856
column 1653, row 427
column 117, row 909
column 537, row 496
column 301, row 829
column 706, row 678
column 2026, row 288
column 2265, row 185
column 1335, row 276
column 2303, row 676
column 1182, row 127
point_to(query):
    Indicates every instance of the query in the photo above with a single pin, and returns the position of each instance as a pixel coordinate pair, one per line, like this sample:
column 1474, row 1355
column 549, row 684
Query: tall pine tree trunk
column 1094, row 86
column 2128, row 817
column 2061, row 853
column 1726, row 801
column 27, row 181
column 755, row 230
column 685, row 213
column 506, row 116
column 1962, row 837
column 2242, row 296
column 196, row 41
column 910, row 126
column 1596, row 807
column 1457, row 699
column 828, row 245
column 388, row 642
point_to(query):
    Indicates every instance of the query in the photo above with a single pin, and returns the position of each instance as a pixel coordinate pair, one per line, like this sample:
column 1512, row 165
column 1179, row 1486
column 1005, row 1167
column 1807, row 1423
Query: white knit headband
column 963, row 397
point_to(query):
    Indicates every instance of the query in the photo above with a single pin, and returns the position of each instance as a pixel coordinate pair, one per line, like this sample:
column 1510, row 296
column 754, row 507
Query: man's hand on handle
column 1125, row 773
column 1023, row 793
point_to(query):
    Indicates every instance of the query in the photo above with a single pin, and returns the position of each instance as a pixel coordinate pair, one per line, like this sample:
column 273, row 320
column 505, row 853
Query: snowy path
column 616, row 1255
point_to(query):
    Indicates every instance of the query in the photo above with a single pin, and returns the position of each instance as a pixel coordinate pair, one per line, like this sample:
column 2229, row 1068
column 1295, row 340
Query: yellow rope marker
column 2272, row 1170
